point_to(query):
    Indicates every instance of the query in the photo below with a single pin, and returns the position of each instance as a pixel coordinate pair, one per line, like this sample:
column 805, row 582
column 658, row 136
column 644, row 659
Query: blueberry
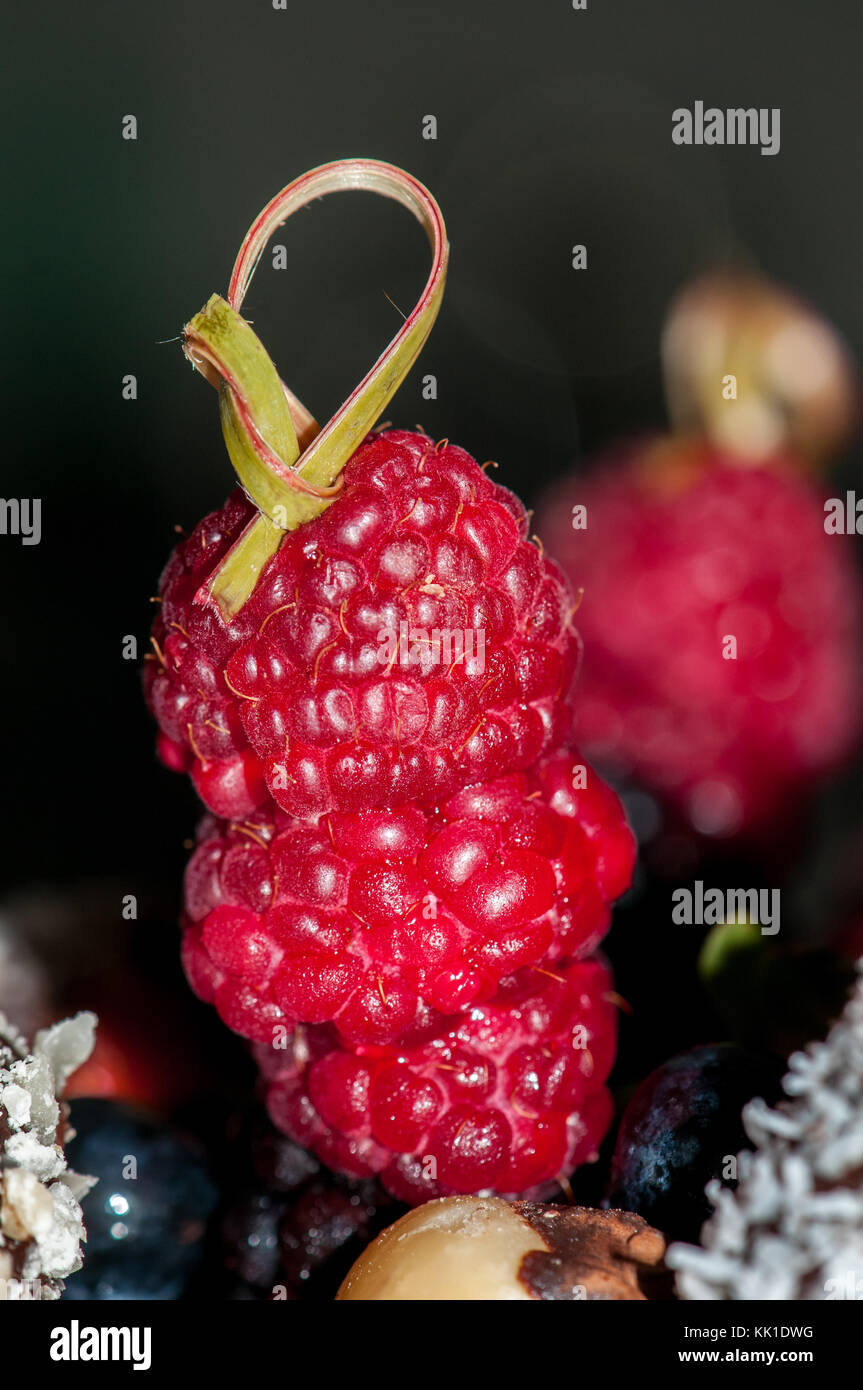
column 681, row 1128
column 147, row 1216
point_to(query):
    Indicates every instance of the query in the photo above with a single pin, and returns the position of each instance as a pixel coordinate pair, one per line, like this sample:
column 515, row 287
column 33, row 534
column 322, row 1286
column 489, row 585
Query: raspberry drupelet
column 506, row 1097
column 377, row 921
column 408, row 641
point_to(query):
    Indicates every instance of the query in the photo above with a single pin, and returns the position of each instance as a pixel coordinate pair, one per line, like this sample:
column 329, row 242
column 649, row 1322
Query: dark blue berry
column 147, row 1215
column 682, row 1128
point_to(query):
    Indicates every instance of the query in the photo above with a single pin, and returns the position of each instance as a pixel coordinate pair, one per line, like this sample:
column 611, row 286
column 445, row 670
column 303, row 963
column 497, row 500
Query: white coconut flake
column 793, row 1228
column 41, row 1224
column 65, row 1046
column 17, row 1102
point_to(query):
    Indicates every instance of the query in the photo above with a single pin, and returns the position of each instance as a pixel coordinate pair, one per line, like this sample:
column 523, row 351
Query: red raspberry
column 408, row 641
column 682, row 551
column 379, row 919
column 503, row 1098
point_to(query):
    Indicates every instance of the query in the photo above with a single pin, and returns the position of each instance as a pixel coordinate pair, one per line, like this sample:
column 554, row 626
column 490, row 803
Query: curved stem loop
column 260, row 416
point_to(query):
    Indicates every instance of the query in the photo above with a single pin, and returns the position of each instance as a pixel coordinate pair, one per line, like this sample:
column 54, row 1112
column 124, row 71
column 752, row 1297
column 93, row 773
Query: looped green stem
column 260, row 417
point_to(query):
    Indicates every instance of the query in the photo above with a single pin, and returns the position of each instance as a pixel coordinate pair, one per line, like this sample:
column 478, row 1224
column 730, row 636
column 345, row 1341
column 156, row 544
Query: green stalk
column 258, row 413
column 224, row 340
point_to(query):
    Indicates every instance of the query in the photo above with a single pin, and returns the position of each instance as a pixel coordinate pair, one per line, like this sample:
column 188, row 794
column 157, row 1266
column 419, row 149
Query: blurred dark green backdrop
column 554, row 128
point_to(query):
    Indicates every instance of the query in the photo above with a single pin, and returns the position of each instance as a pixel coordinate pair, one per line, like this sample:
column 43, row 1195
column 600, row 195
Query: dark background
column 554, row 127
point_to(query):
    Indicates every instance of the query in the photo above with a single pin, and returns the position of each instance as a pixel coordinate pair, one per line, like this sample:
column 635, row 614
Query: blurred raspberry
column 681, row 552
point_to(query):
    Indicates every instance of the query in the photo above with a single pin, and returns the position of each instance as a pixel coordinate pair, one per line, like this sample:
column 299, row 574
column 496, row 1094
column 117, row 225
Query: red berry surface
column 674, row 561
column 380, row 921
column 409, row 641
column 504, row 1098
